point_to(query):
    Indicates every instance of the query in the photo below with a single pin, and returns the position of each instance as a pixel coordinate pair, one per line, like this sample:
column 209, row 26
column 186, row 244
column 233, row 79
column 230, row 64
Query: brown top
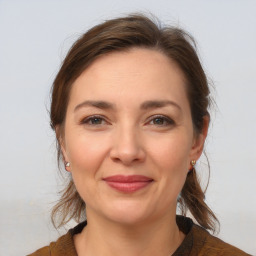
column 198, row 242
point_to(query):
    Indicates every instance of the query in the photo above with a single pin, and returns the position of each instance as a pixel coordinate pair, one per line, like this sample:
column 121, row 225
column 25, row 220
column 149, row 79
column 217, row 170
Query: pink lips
column 128, row 184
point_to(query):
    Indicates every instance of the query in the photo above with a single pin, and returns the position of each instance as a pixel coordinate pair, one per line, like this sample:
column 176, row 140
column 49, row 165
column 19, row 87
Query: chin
column 127, row 219
column 128, row 213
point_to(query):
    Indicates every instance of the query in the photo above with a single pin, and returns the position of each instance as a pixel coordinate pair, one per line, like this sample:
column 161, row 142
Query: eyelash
column 91, row 118
column 166, row 120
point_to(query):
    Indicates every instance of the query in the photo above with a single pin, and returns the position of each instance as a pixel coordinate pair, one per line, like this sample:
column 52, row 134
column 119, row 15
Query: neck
column 103, row 237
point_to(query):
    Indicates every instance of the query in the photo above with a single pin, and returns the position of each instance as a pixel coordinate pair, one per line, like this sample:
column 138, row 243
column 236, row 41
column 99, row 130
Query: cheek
column 86, row 156
column 86, row 153
column 171, row 156
column 173, row 151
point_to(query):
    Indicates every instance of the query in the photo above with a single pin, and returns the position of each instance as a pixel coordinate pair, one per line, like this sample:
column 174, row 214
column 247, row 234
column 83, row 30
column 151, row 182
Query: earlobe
column 67, row 166
column 61, row 143
column 199, row 140
column 192, row 163
column 65, row 159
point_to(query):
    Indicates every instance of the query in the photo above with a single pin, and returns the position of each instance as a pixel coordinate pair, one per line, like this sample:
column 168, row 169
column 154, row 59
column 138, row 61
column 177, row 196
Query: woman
column 130, row 112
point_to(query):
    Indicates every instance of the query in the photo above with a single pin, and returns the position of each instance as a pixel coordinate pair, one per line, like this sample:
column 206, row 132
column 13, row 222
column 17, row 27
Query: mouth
column 128, row 184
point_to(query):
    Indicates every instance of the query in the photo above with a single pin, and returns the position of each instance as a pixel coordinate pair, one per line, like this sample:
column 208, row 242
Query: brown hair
column 121, row 34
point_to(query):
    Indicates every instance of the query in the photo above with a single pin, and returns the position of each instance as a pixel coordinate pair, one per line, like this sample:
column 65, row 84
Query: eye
column 160, row 120
column 94, row 120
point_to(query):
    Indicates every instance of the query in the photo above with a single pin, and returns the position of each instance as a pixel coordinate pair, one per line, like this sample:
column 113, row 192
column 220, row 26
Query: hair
column 122, row 34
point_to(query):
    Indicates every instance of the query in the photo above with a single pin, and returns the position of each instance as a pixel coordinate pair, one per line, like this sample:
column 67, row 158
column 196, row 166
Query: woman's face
column 129, row 136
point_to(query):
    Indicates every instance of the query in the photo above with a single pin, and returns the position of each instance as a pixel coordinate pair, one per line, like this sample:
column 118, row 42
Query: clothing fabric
column 198, row 242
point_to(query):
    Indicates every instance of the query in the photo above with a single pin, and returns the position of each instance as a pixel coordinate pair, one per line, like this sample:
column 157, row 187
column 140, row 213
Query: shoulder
column 64, row 246
column 206, row 244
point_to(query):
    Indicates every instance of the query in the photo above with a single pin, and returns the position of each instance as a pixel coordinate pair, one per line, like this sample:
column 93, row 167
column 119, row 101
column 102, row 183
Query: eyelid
column 90, row 117
column 104, row 119
column 165, row 118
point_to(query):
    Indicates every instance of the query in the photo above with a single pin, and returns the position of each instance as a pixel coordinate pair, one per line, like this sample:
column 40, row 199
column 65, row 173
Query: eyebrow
column 97, row 104
column 158, row 104
column 151, row 104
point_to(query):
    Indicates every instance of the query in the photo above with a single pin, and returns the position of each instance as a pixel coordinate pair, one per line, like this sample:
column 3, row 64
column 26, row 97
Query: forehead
column 137, row 73
column 133, row 61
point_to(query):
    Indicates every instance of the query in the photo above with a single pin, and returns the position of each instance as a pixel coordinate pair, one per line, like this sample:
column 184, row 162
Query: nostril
column 126, row 155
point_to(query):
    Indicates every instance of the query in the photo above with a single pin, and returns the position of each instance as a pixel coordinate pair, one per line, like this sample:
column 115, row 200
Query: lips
column 128, row 184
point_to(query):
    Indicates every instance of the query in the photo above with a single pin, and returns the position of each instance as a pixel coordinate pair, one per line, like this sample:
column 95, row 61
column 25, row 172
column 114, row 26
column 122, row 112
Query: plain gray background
column 34, row 38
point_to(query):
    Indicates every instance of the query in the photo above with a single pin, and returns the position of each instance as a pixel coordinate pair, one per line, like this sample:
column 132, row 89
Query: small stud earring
column 67, row 165
column 193, row 163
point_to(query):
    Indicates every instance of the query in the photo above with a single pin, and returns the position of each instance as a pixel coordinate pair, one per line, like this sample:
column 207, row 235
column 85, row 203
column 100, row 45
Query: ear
column 199, row 139
column 60, row 137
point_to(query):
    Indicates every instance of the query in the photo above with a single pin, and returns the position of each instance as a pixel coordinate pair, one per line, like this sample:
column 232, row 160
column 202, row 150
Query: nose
column 127, row 147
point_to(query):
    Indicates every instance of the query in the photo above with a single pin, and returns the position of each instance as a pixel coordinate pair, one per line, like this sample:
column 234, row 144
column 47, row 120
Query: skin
column 130, row 137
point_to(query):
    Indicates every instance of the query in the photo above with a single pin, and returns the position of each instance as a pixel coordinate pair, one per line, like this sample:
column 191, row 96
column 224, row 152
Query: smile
column 128, row 184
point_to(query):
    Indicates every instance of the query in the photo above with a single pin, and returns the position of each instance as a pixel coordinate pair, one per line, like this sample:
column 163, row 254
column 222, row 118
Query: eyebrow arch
column 158, row 104
column 144, row 106
column 97, row 104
